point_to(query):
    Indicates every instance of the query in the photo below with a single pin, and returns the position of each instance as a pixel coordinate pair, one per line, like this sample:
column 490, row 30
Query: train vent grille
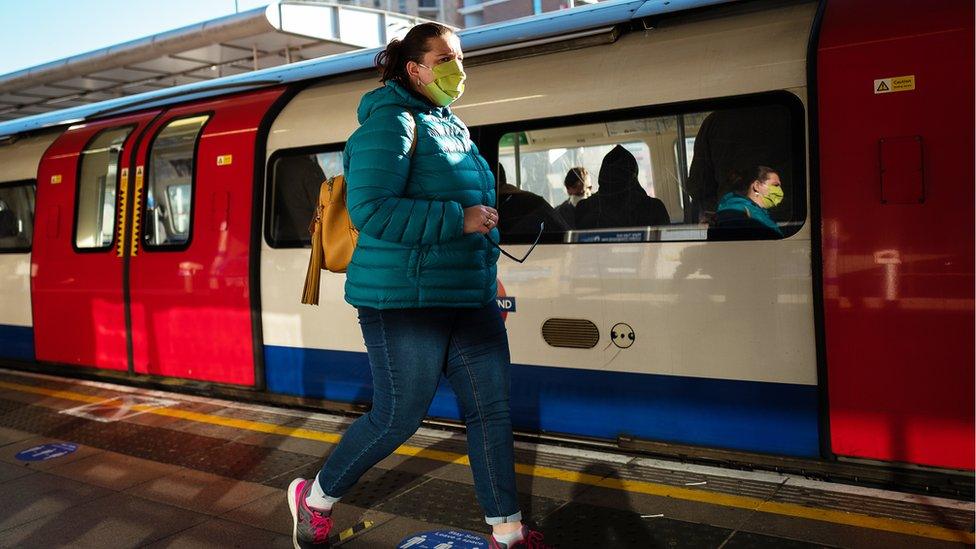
column 570, row 332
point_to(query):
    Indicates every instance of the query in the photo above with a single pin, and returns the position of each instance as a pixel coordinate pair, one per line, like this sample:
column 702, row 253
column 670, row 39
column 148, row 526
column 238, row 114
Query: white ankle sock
column 509, row 538
column 317, row 499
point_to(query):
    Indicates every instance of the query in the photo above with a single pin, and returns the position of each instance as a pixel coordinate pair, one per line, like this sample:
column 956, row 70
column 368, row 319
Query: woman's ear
column 413, row 70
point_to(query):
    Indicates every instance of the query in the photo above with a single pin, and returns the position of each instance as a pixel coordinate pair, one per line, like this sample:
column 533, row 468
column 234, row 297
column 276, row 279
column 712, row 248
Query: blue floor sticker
column 443, row 539
column 45, row 452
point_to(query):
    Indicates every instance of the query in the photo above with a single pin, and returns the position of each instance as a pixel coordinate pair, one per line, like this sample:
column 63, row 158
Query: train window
column 685, row 176
column 168, row 209
column 294, row 190
column 97, row 185
column 16, row 216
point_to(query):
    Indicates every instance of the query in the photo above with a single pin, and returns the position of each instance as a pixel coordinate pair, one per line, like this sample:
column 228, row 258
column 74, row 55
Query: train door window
column 16, row 216
column 296, row 177
column 656, row 177
column 169, row 193
column 97, row 187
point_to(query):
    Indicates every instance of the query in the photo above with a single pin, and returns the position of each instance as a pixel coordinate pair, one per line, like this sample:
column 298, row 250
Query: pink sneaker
column 311, row 525
column 531, row 539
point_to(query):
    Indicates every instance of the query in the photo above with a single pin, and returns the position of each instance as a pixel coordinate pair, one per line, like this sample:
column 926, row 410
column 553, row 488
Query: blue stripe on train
column 774, row 418
column 16, row 342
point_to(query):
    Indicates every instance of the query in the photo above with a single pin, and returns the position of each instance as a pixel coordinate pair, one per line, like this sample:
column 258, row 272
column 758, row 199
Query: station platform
column 92, row 464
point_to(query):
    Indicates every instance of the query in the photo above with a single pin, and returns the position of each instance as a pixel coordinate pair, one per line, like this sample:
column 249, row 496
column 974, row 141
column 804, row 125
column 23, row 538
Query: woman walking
column 423, row 280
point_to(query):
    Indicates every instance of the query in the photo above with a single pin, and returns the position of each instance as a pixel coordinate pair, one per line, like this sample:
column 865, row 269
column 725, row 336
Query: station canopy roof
column 594, row 22
column 280, row 33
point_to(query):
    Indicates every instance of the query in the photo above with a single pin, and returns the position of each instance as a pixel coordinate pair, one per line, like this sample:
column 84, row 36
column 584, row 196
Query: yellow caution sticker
column 225, row 159
column 56, row 179
column 136, row 212
column 123, row 200
column 895, row 84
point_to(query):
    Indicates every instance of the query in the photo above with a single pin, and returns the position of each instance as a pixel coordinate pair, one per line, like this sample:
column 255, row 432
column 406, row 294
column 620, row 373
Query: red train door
column 77, row 260
column 142, row 252
column 189, row 283
column 896, row 150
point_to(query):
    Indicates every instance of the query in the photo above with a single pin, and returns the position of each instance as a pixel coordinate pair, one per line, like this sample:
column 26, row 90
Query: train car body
column 167, row 242
column 696, row 372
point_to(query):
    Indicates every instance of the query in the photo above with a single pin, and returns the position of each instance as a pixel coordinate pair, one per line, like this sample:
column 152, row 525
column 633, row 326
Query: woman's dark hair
column 576, row 176
column 741, row 178
column 392, row 61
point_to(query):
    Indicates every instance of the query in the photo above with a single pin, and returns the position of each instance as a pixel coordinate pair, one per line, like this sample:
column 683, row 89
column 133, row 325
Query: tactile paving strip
column 256, row 415
column 208, row 454
column 455, row 504
column 245, row 462
column 582, row 525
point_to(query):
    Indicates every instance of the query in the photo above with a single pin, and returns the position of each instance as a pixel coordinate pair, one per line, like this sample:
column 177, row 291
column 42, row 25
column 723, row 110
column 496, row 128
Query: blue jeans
column 408, row 351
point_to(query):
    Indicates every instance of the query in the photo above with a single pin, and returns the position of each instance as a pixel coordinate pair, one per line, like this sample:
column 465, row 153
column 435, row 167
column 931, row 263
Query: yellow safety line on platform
column 635, row 486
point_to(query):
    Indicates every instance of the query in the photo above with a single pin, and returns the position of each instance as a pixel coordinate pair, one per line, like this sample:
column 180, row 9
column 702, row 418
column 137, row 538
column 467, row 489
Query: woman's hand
column 480, row 219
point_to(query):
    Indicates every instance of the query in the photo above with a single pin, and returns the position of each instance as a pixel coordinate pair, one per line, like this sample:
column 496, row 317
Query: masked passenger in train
column 423, row 280
column 732, row 138
column 620, row 201
column 755, row 190
column 578, row 187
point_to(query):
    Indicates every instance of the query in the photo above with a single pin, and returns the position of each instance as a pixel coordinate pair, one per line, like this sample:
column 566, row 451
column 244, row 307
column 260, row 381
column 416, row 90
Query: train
column 162, row 238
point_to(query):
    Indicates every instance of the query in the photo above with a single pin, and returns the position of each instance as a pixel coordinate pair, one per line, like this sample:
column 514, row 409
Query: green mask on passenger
column 448, row 84
column 772, row 198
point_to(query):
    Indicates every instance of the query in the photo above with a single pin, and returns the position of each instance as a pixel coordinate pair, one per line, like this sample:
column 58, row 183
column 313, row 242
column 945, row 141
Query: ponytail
column 392, row 61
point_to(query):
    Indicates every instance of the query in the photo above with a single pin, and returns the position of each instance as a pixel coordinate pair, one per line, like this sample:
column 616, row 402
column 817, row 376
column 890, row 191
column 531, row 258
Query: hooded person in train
column 620, row 200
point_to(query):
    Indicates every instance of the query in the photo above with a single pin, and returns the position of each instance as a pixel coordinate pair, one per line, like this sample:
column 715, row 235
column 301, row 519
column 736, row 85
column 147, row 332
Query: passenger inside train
column 737, row 137
column 743, row 210
column 578, row 187
column 620, row 202
column 677, row 161
column 524, row 210
column 543, row 160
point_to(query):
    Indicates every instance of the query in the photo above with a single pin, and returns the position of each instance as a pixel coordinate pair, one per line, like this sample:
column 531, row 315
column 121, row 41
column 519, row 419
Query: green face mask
column 448, row 84
column 773, row 197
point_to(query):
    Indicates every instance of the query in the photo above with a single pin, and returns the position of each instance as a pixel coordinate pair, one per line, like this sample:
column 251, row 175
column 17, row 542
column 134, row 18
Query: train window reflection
column 16, row 216
column 169, row 188
column 655, row 178
column 97, row 187
column 294, row 189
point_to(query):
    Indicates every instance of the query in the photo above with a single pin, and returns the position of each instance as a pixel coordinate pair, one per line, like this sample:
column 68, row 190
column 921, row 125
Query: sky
column 34, row 32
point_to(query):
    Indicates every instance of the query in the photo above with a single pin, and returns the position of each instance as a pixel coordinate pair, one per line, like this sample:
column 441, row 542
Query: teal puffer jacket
column 409, row 209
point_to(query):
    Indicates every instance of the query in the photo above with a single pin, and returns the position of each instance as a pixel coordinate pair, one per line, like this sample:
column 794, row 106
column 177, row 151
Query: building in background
column 468, row 13
column 444, row 11
column 484, row 12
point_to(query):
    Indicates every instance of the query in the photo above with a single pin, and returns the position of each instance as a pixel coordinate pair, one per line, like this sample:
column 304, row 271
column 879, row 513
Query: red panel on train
column 190, row 286
column 895, row 85
column 77, row 266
